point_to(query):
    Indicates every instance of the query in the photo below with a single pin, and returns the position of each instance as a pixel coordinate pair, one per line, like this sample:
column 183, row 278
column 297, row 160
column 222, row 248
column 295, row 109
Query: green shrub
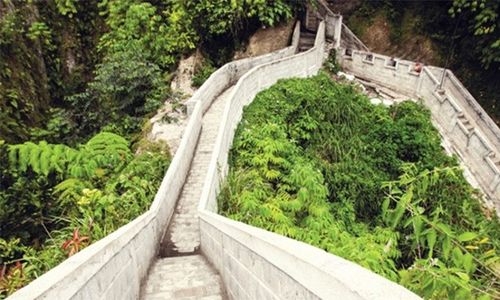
column 202, row 73
column 331, row 64
column 314, row 160
column 126, row 86
column 53, row 196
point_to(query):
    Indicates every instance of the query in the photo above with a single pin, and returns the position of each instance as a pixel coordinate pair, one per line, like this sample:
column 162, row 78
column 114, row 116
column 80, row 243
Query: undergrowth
column 74, row 196
column 315, row 161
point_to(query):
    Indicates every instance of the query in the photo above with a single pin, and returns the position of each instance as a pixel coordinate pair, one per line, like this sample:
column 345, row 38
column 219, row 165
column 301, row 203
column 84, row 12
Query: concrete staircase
column 306, row 40
column 181, row 272
column 183, row 277
column 183, row 236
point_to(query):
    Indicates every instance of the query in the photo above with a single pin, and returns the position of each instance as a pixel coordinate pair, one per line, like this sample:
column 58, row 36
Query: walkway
column 180, row 272
column 183, row 277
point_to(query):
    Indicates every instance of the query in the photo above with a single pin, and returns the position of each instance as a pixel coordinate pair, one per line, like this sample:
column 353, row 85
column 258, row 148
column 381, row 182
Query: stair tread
column 183, row 277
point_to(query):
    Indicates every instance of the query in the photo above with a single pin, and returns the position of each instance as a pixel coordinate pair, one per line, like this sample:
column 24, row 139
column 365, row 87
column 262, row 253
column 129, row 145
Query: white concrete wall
column 401, row 77
column 462, row 122
column 115, row 266
column 257, row 264
column 320, row 11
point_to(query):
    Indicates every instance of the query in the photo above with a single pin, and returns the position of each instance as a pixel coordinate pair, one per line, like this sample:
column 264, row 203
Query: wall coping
column 233, row 68
column 325, row 275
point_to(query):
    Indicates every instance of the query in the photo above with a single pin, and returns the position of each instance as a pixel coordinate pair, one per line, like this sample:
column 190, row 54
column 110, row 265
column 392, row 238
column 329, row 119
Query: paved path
column 183, row 234
column 183, row 277
column 182, row 273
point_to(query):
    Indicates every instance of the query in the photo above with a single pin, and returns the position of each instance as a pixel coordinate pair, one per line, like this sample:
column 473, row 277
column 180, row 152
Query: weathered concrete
column 228, row 74
column 257, row 264
column 333, row 22
column 114, row 267
column 254, row 263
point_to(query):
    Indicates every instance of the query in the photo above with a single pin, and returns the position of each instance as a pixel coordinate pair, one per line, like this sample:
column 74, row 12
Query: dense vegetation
column 80, row 79
column 465, row 37
column 313, row 160
column 55, row 200
column 78, row 82
column 66, row 66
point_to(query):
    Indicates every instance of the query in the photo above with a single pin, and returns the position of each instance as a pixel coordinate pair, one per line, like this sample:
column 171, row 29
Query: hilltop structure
column 182, row 248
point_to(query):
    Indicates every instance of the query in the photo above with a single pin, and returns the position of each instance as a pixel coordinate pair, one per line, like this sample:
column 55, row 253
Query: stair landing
column 183, row 277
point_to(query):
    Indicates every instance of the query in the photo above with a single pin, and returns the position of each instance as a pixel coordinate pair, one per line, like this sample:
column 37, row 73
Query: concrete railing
column 350, row 40
column 473, row 135
column 379, row 69
column 115, row 266
column 257, row 264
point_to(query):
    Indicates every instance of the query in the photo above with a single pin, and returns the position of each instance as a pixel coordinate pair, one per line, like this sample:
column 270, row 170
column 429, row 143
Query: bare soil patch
column 267, row 40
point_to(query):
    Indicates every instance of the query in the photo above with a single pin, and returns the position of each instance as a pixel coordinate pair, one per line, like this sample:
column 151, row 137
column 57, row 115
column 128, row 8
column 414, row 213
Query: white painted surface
column 258, row 264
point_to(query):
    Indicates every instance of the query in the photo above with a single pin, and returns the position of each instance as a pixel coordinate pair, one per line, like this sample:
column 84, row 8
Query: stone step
column 185, row 277
column 306, row 41
column 183, row 234
column 307, row 34
column 304, row 48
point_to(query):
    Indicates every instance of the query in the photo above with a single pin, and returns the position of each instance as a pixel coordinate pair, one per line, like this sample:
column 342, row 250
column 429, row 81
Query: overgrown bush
column 331, row 64
column 126, row 85
column 202, row 73
column 160, row 36
column 315, row 161
column 56, row 200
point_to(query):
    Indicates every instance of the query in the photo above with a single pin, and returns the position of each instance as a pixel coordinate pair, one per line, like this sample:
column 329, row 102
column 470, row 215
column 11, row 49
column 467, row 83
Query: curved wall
column 115, row 266
column 257, row 264
column 228, row 74
column 473, row 135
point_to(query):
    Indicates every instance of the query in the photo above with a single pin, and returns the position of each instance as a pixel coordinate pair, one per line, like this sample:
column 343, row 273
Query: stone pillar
column 338, row 31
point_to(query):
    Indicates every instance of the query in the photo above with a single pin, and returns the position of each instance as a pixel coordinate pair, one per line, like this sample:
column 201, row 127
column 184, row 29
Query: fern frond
column 44, row 161
column 70, row 190
column 13, row 155
column 34, row 156
column 23, row 157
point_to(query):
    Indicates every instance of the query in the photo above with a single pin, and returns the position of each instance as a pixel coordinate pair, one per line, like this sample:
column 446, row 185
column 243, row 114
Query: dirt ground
column 410, row 46
column 377, row 34
column 267, row 40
